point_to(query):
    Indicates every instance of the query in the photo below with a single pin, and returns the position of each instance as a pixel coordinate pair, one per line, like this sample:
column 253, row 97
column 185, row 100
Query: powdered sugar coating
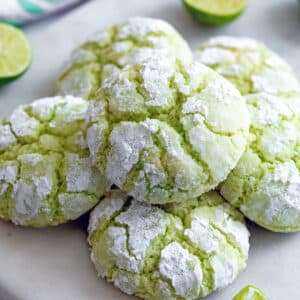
column 249, row 65
column 46, row 177
column 144, row 223
column 214, row 56
column 7, row 138
column 224, row 270
column 143, row 251
column 161, row 129
column 232, row 42
column 105, row 210
column 129, row 42
column 139, row 27
column 275, row 82
column 23, row 125
column 183, row 269
column 80, row 175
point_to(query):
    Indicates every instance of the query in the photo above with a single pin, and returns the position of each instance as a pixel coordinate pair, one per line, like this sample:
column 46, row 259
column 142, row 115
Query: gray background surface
column 53, row 263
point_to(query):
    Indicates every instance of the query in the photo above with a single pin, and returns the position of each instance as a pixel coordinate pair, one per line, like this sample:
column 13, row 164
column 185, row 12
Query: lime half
column 215, row 12
column 250, row 293
column 15, row 53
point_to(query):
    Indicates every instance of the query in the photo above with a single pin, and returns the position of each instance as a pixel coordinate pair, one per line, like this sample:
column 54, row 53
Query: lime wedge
column 215, row 12
column 250, row 293
column 15, row 53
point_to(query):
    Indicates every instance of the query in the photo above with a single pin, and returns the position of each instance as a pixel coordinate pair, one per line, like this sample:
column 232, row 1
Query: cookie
column 116, row 46
column 181, row 251
column 249, row 65
column 46, row 177
column 166, row 131
column 265, row 184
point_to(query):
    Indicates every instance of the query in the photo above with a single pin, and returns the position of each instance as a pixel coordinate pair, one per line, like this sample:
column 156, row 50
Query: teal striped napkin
column 20, row 12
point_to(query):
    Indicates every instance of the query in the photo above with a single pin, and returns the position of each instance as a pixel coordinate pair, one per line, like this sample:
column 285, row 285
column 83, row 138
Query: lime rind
column 17, row 53
column 213, row 18
column 250, row 293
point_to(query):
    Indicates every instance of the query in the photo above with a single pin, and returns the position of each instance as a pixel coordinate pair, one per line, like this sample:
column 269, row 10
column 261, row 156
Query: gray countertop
column 53, row 263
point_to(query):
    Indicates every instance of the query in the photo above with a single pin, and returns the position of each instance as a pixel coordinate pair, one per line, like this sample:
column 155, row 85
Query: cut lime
column 250, row 293
column 215, row 12
column 15, row 53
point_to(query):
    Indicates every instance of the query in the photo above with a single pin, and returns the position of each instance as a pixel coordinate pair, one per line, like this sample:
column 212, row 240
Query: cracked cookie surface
column 183, row 251
column 166, row 131
column 126, row 43
column 265, row 184
column 46, row 177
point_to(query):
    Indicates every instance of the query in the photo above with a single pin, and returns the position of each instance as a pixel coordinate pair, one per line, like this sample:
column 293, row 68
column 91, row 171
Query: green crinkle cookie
column 183, row 251
column 265, row 185
column 46, row 177
column 250, row 293
column 166, row 131
column 116, row 46
column 249, row 65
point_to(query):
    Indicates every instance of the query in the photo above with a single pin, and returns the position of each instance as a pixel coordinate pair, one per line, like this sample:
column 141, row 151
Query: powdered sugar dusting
column 8, row 174
column 142, row 55
column 72, row 205
column 232, row 42
column 43, row 108
column 213, row 56
column 74, row 109
column 6, row 137
column 80, row 175
column 138, row 27
column 127, row 140
column 231, row 70
column 95, row 141
column 31, row 191
column 225, row 269
column 118, row 248
column 156, row 74
column 203, row 235
column 22, row 124
column 267, row 110
column 275, row 82
column 183, row 269
column 78, row 82
column 126, row 283
column 102, row 38
column 144, row 223
column 106, row 208
column 195, row 104
column 163, row 291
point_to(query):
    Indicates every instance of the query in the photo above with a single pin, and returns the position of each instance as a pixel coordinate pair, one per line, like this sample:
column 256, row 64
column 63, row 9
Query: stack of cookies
column 174, row 151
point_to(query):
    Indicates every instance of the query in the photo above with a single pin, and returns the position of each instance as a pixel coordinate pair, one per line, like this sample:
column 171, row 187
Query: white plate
column 54, row 263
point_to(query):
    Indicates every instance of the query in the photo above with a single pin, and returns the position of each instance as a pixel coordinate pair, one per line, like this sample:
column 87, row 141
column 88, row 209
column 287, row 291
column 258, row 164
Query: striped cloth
column 20, row 12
